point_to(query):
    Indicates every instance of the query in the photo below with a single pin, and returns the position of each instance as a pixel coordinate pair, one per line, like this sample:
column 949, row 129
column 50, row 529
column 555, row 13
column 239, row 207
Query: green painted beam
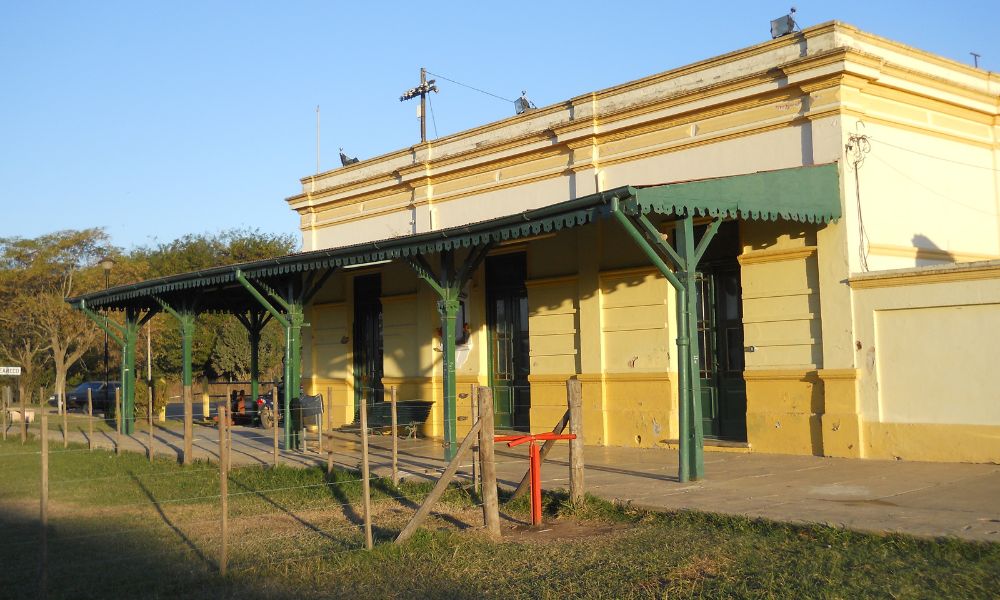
column 104, row 323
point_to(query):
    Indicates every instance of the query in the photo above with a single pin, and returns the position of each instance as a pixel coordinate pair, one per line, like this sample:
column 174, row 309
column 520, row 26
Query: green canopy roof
column 804, row 194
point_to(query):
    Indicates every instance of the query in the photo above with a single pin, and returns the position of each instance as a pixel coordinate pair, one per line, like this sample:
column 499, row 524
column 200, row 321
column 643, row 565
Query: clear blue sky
column 155, row 119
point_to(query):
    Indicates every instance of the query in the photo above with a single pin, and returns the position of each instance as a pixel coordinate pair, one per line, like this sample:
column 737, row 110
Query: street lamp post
column 106, row 264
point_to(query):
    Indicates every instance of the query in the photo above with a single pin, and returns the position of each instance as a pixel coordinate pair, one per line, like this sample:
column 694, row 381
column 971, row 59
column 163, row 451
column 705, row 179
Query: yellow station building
column 848, row 304
column 871, row 336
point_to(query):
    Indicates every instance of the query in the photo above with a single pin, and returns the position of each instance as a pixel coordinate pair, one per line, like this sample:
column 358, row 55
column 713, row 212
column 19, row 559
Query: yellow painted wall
column 927, row 346
column 928, row 191
column 781, row 316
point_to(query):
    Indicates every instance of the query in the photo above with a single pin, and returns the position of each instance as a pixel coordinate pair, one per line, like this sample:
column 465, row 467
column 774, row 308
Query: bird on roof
column 346, row 160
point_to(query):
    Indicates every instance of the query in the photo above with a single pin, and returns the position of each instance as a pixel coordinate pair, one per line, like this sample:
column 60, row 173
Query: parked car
column 102, row 396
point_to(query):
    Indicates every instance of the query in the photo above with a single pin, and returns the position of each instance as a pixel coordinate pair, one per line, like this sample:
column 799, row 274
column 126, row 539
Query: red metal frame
column 535, row 464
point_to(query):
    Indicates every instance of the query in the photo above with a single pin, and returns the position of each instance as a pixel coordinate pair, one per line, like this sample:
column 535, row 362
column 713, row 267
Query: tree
column 21, row 343
column 214, row 334
column 231, row 353
column 39, row 274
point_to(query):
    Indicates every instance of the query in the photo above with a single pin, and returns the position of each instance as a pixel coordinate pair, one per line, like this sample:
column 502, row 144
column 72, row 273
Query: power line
column 932, row 190
column 433, row 119
column 498, row 97
column 934, row 156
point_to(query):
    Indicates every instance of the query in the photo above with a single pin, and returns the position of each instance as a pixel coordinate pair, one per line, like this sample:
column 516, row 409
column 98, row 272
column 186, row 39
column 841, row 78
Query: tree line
column 59, row 347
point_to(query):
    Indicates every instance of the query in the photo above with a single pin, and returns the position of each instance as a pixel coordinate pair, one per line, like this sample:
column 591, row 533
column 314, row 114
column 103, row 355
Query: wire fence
column 119, row 508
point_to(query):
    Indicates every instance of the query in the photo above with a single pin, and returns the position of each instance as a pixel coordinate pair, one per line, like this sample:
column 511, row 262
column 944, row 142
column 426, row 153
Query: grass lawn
column 120, row 527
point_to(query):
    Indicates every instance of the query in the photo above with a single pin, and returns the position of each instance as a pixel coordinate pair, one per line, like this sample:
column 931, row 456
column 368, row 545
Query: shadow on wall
column 929, row 253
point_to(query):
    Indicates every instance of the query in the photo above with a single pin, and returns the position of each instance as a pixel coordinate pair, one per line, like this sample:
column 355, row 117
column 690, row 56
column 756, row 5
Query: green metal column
column 117, row 334
column 684, row 377
column 128, row 372
column 691, row 462
column 293, row 327
column 186, row 321
column 684, row 230
column 449, row 312
column 294, row 370
column 254, row 334
column 449, row 289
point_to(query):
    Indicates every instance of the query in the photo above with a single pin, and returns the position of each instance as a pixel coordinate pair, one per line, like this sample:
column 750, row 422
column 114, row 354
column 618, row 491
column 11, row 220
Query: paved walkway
column 928, row 499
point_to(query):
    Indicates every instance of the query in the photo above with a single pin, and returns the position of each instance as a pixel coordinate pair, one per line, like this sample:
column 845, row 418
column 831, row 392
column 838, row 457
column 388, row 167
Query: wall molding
column 838, row 374
column 927, row 275
column 805, row 375
column 917, row 253
column 759, row 257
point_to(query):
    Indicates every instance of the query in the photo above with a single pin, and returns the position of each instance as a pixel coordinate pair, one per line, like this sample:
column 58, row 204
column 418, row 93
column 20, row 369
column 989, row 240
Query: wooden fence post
column 118, row 420
column 3, row 407
column 329, row 406
column 365, row 483
column 319, row 426
column 24, row 419
column 90, row 419
column 274, row 430
column 44, row 507
column 224, row 484
column 574, row 397
column 395, row 438
column 441, row 485
column 491, row 504
column 150, row 414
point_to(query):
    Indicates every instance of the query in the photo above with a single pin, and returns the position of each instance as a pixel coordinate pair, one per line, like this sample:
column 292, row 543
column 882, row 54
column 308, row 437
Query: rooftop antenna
column 317, row 139
column 523, row 105
column 783, row 26
column 421, row 90
column 975, row 59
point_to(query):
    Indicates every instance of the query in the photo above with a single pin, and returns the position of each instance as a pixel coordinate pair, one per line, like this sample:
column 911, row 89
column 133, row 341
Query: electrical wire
column 935, row 157
column 433, row 119
column 498, row 97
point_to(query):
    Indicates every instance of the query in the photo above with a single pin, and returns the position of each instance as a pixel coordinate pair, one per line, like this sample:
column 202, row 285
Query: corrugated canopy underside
column 803, row 194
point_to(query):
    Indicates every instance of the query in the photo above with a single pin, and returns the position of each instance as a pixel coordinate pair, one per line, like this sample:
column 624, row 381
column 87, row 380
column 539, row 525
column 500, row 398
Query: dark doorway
column 720, row 338
column 367, row 341
column 507, row 316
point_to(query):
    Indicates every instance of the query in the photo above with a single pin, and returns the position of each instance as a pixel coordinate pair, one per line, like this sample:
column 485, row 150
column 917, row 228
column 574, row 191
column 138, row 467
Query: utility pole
column 421, row 90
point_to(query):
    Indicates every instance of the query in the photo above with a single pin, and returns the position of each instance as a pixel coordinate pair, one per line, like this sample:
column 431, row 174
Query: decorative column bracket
column 682, row 275
column 126, row 337
column 292, row 319
column 254, row 322
column 185, row 316
column 448, row 285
